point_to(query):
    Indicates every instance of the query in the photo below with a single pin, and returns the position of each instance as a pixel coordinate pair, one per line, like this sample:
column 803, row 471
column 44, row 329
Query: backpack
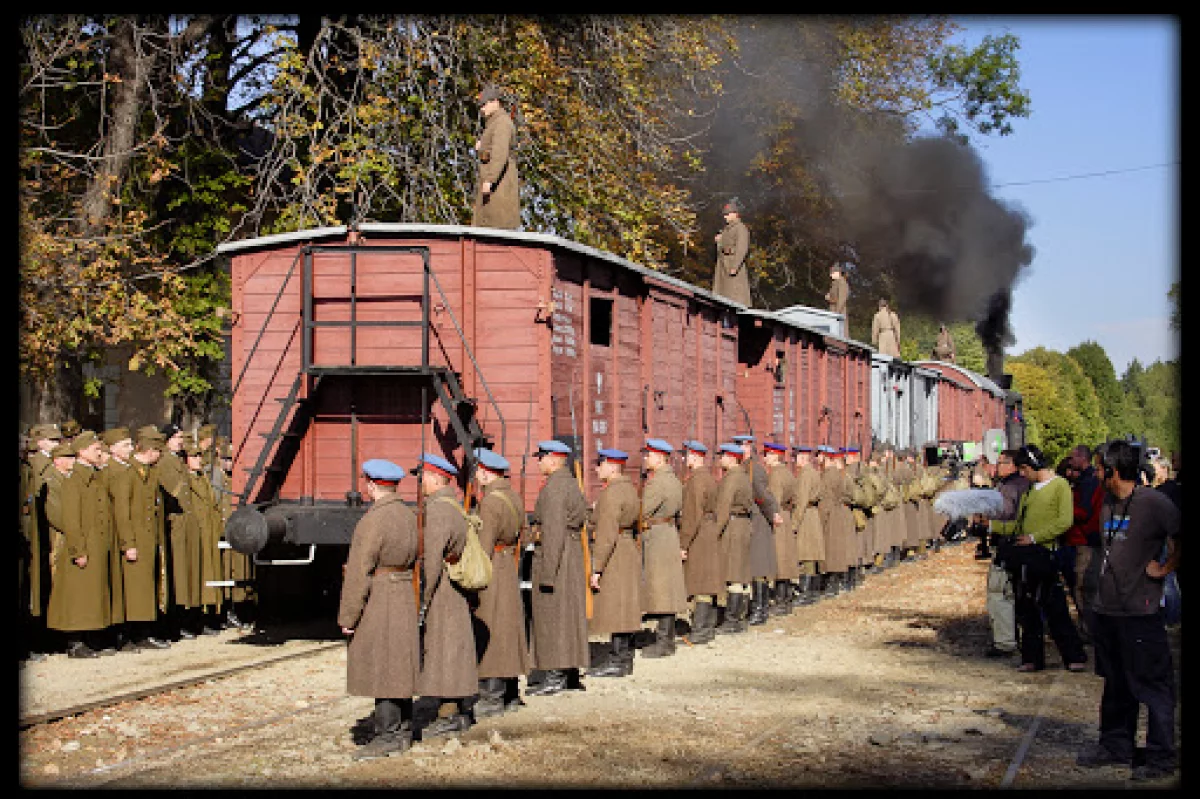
column 473, row 571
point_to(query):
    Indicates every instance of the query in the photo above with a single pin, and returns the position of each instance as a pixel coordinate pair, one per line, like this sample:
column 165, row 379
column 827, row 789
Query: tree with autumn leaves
column 146, row 141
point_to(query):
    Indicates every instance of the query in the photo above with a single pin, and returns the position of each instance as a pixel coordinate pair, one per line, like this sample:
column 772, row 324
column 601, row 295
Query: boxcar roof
column 976, row 378
column 783, row 320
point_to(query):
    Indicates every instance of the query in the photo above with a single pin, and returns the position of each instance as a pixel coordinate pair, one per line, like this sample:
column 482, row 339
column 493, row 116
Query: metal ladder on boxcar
column 282, row 442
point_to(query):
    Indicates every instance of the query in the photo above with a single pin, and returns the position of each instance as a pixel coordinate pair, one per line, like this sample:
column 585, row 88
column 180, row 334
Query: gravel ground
column 885, row 686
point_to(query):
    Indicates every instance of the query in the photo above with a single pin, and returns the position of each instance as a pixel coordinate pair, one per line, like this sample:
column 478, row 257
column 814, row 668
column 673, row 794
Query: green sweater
column 1049, row 511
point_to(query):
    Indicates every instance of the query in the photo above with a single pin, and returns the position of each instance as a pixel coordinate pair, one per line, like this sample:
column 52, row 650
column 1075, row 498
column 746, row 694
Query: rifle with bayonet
column 584, row 532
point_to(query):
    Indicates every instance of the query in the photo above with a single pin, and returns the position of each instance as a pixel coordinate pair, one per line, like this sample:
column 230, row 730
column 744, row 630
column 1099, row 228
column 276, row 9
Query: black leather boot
column 782, row 605
column 664, row 638
column 614, row 665
column 758, row 603
column 511, row 695
column 553, row 681
column 735, row 614
column 704, row 623
column 491, row 697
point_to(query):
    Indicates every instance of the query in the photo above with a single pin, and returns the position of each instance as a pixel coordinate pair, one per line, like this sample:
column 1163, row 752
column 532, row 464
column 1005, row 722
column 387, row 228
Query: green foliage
column 1052, row 422
column 1094, row 362
column 986, row 81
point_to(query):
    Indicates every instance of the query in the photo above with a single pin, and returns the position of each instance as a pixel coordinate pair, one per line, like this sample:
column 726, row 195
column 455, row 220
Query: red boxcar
column 969, row 404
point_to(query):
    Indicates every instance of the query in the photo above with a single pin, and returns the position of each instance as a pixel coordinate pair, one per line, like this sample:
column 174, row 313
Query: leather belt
column 393, row 569
column 660, row 520
column 503, row 547
column 741, row 515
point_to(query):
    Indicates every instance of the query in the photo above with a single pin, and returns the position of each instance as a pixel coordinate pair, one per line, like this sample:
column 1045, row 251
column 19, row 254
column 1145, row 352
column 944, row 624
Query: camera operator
column 1045, row 512
column 1001, row 602
column 1133, row 654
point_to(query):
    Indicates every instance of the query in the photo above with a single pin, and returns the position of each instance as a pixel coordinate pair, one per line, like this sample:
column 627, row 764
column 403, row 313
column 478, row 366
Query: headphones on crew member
column 1030, row 455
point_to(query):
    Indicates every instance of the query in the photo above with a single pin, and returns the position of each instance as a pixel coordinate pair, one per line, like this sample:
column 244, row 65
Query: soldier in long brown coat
column 616, row 574
column 735, row 499
column 180, row 537
column 730, row 278
column 43, row 438
column 837, row 521
column 448, row 670
column 205, row 563
column 914, row 524
column 944, row 350
column 236, row 567
column 378, row 610
column 501, row 647
column 559, row 575
column 765, row 517
column 838, row 295
column 700, row 543
column 664, row 594
column 76, row 507
column 782, row 485
column 497, row 192
column 885, row 330
column 810, row 541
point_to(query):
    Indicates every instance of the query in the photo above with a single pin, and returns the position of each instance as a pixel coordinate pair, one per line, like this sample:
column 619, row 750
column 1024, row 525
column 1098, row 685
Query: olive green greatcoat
column 733, row 244
column 762, row 534
column 559, row 575
column 782, row 484
column 735, row 498
column 810, row 540
column 501, row 646
column 703, row 571
column 181, row 534
column 136, row 516
column 498, row 166
column 448, row 669
column 77, row 508
column 206, row 563
column 837, row 521
column 383, row 658
column 116, row 575
column 665, row 589
column 36, row 568
column 900, row 476
column 616, row 557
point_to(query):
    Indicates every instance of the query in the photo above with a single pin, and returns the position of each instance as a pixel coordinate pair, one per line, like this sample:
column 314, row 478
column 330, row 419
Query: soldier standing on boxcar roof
column 943, row 350
column 885, row 330
column 664, row 597
column 616, row 573
column 448, row 669
column 700, row 543
column 735, row 498
column 782, row 485
column 730, row 278
column 559, row 575
column 497, row 193
column 810, row 541
column 378, row 610
column 838, row 295
column 500, row 644
column 765, row 517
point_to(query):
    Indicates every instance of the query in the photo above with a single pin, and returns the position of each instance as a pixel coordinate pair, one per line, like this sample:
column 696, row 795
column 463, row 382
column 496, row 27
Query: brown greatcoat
column 136, row 503
column 838, row 295
column 616, row 557
column 181, row 536
column 837, row 521
column 40, row 464
column 116, row 574
column 762, row 535
column 498, row 166
column 703, row 571
column 207, row 565
column 500, row 643
column 914, row 523
column 782, row 484
column 735, row 498
column 733, row 244
column 77, row 508
column 943, row 350
column 885, row 332
column 448, row 669
column 810, row 541
column 383, row 659
column 665, row 590
column 559, row 576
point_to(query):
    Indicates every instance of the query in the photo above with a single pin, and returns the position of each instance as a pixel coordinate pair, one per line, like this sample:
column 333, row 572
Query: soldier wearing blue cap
column 837, row 522
column 764, row 517
column 616, row 574
column 782, row 485
column 378, row 611
column 448, row 670
column 700, row 543
column 665, row 592
column 735, row 498
column 559, row 575
column 503, row 654
column 810, row 541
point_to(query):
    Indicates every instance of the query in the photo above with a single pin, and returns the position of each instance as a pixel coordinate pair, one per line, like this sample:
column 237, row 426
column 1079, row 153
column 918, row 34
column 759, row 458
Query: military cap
column 382, row 471
column 83, row 440
column 658, row 445
column 556, row 447
column 437, row 463
column 825, row 449
column 115, row 435
column 149, row 437
column 206, row 431
column 224, row 449
column 63, row 450
column 742, row 438
column 854, row 450
column 836, row 266
column 613, row 455
column 169, row 429
column 733, row 206
column 836, row 452
column 50, row 431
column 695, row 446
column 801, row 448
column 491, row 460
column 489, row 92
column 70, row 428
column 774, row 446
column 731, row 449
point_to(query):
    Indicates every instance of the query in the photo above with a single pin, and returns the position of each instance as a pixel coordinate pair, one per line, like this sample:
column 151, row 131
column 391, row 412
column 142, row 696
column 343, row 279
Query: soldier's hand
column 683, row 554
column 779, row 518
column 347, row 631
column 486, row 188
column 595, row 581
column 80, row 561
column 131, row 554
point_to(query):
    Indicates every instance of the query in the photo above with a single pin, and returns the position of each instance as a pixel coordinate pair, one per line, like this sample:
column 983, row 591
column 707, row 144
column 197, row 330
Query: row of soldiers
column 778, row 528
column 120, row 545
